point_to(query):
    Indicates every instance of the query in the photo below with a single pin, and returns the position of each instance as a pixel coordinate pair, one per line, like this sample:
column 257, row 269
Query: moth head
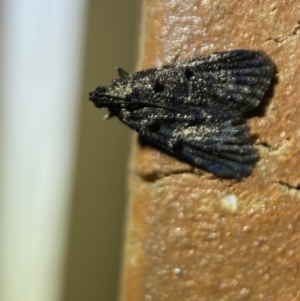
column 97, row 95
column 109, row 97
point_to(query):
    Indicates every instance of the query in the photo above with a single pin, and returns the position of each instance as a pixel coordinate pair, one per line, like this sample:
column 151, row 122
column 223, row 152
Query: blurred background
column 62, row 167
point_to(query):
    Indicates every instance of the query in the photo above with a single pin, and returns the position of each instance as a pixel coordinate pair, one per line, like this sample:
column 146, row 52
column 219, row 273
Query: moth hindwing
column 193, row 109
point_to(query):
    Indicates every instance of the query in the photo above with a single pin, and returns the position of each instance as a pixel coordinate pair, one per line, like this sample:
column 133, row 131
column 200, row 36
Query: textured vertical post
column 189, row 235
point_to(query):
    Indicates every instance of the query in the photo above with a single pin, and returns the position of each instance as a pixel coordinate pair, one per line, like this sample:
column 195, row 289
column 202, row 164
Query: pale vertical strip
column 41, row 54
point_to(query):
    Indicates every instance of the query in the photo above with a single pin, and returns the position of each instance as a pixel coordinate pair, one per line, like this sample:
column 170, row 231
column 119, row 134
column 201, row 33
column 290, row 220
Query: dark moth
column 193, row 109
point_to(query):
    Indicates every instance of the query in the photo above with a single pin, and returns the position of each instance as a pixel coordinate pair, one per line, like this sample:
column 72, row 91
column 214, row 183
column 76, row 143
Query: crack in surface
column 289, row 187
column 265, row 145
column 282, row 39
column 156, row 175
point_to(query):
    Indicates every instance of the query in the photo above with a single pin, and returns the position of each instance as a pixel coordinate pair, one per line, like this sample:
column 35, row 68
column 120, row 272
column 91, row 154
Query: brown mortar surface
column 191, row 236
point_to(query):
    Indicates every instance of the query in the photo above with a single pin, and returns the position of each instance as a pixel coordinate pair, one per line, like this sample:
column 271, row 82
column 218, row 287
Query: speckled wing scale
column 193, row 109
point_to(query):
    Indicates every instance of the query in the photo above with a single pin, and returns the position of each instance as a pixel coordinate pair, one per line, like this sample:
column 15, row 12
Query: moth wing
column 236, row 79
column 221, row 148
column 192, row 109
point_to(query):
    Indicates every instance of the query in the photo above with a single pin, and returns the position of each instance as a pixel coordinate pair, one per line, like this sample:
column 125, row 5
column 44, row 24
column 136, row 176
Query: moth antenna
column 122, row 72
column 143, row 103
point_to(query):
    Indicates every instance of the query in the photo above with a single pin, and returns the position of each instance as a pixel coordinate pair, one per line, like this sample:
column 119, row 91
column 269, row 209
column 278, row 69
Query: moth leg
column 196, row 52
column 108, row 115
column 122, row 72
column 174, row 60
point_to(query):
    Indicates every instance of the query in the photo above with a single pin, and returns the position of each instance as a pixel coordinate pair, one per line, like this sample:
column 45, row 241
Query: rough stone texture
column 191, row 236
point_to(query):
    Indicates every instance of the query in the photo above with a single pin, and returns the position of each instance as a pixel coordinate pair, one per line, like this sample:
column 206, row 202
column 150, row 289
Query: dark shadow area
column 98, row 201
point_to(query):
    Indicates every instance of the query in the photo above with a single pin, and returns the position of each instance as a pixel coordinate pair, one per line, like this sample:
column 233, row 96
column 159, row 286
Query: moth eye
column 188, row 73
column 101, row 89
column 158, row 86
